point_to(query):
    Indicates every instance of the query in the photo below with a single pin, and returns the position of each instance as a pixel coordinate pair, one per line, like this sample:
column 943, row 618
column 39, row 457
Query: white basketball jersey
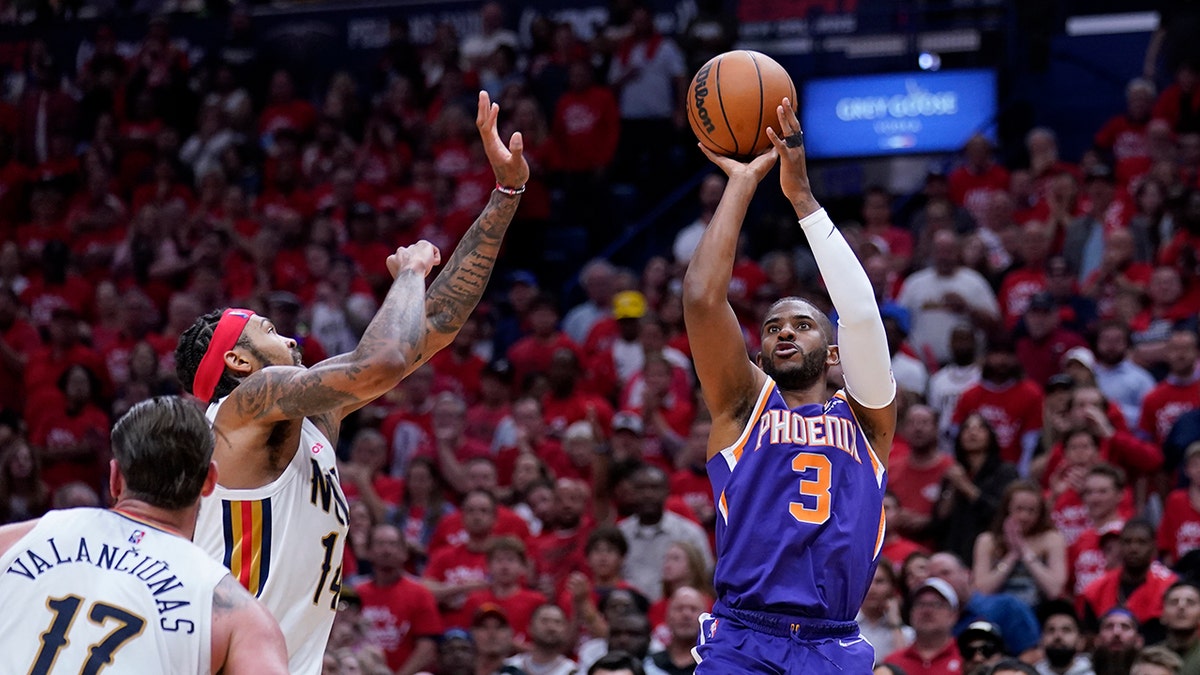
column 284, row 541
column 90, row 590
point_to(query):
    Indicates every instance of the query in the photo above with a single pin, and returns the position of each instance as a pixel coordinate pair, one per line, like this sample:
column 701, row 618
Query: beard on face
column 810, row 370
column 998, row 374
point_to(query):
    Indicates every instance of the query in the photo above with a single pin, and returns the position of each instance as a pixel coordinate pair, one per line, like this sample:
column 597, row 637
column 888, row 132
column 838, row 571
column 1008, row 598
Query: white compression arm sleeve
column 861, row 341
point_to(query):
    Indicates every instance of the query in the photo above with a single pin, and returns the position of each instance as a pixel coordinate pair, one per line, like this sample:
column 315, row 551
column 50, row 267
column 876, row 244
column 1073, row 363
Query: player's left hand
column 508, row 163
column 788, row 141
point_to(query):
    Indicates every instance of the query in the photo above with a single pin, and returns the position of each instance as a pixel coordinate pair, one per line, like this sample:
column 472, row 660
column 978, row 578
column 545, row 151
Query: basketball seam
column 717, row 84
column 761, row 98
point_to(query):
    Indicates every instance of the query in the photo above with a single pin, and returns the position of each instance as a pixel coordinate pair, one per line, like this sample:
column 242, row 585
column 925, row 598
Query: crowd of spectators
column 534, row 499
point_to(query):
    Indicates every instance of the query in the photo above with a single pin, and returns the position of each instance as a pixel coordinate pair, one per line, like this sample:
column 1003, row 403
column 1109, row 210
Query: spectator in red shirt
column 47, row 364
column 401, row 612
column 586, row 123
column 1089, row 410
column 533, row 353
column 977, row 177
column 690, row 481
column 364, row 476
column 1080, row 452
column 1123, row 137
column 72, row 435
column 1040, row 350
column 559, row 549
column 1179, row 392
column 916, row 480
column 1138, row 584
column 422, row 507
column 1179, row 103
column 461, row 362
column 1092, row 554
column 934, row 610
column 456, row 571
column 896, row 241
column 1022, row 284
column 479, row 475
column 1011, row 404
column 449, row 445
column 1179, row 531
column 18, row 340
column 506, row 567
column 1120, row 271
column 566, row 400
column 285, row 111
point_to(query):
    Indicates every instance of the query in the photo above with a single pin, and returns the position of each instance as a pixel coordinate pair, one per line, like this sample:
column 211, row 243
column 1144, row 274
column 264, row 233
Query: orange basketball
column 732, row 101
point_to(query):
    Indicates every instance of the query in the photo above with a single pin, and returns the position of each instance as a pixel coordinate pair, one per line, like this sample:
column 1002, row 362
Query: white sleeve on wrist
column 861, row 341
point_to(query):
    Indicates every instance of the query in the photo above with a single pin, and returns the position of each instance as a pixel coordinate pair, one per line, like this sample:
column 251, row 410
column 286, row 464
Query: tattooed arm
column 245, row 637
column 394, row 340
column 455, row 292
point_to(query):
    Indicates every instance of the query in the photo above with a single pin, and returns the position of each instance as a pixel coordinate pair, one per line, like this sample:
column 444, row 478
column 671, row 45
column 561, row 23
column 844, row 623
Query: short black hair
column 193, row 343
column 607, row 534
column 163, row 447
column 617, row 660
column 1011, row 664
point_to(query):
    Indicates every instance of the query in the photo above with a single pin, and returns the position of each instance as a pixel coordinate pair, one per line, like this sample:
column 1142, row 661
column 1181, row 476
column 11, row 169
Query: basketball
column 732, row 101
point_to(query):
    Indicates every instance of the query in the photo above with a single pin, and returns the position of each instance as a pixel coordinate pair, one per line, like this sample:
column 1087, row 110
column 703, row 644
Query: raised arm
column 862, row 344
column 245, row 637
column 455, row 292
column 729, row 381
column 393, row 340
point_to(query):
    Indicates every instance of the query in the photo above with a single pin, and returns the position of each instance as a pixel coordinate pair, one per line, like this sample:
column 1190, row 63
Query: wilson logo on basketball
column 699, row 93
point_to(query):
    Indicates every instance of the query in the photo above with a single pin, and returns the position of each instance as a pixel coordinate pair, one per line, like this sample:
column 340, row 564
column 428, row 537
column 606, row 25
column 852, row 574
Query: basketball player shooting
column 798, row 478
column 278, row 518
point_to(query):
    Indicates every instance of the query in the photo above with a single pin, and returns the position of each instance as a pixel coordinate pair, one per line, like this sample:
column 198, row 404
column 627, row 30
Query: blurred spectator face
column 1192, row 468
column 449, row 417
column 948, row 568
column 479, row 515
column 650, row 493
column 493, row 637
column 1025, row 509
column 1041, row 144
column 1041, row 322
column 1060, row 640
column 1036, row 240
column 977, row 151
column 571, row 499
column 281, row 90
column 541, row 501
column 657, row 374
column 920, row 426
column 1165, row 286
column 370, row 450
column 1111, row 345
column 1181, row 609
column 1000, row 367
column 579, row 76
column 564, row 371
column 1118, row 631
column 1086, row 401
column 455, row 655
column 388, row 550
column 527, row 415
column 915, row 570
column 931, row 616
column 963, row 346
column 548, row 629
column 329, row 664
column 481, row 475
column 876, row 209
column 683, row 613
column 998, row 212
column 526, row 470
column 1139, row 99
column 629, row 632
column 1079, row 449
column 1137, row 547
column 506, row 567
column 711, row 190
column 1101, row 192
column 1181, row 353
column 1059, row 280
column 605, row 560
column 881, row 590
column 1100, row 495
column 675, row 564
column 946, row 252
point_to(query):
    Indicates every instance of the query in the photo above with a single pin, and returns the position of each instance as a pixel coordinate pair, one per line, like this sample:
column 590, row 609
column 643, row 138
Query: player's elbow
column 699, row 292
column 383, row 368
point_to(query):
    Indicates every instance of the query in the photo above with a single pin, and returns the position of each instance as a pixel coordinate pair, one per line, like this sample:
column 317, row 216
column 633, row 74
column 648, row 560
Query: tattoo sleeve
column 456, row 291
column 393, row 341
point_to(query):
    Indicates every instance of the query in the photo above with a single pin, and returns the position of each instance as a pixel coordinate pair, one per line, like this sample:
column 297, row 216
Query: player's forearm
column 456, row 291
column 861, row 340
column 395, row 335
column 711, row 267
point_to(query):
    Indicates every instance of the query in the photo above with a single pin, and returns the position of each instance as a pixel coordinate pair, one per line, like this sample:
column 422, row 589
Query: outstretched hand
column 757, row 167
column 793, row 173
column 508, row 162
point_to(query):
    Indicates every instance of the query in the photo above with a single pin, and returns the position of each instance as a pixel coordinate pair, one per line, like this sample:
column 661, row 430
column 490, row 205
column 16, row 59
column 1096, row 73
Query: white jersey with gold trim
column 91, row 590
column 284, row 542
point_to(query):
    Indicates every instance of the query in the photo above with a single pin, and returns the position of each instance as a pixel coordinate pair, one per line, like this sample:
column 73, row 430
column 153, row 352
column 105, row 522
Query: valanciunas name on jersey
column 155, row 573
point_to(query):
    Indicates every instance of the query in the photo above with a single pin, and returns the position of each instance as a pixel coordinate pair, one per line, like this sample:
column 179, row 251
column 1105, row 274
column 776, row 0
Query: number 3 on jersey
column 817, row 472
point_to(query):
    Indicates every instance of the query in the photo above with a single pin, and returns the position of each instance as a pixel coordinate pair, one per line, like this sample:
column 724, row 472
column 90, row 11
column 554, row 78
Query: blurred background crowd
column 534, row 500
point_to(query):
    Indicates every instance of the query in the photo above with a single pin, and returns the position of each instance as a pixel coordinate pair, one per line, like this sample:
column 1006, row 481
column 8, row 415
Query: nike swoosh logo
column 852, row 642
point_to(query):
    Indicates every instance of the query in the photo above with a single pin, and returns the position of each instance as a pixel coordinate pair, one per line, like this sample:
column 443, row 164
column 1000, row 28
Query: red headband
column 212, row 366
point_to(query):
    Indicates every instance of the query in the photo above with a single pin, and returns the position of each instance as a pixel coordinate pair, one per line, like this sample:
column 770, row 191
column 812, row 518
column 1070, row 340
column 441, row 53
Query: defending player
column 124, row 590
column 798, row 479
column 278, row 519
